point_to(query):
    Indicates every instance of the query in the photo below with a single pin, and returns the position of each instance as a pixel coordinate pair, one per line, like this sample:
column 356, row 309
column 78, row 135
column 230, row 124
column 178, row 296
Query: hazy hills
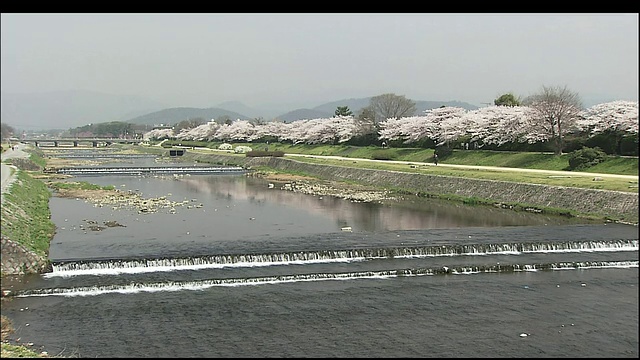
column 175, row 115
column 70, row 109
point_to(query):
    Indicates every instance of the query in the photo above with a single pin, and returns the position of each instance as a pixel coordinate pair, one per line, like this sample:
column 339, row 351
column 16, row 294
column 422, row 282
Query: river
column 241, row 268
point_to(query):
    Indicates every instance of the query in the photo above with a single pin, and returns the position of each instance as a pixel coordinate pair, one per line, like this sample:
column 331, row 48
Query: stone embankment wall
column 18, row 260
column 613, row 204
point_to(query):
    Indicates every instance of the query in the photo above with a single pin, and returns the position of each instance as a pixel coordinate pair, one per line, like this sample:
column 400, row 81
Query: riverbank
column 615, row 206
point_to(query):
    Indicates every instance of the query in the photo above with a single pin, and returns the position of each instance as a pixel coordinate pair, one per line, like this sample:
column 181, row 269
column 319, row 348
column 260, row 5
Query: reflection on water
column 407, row 213
column 241, row 208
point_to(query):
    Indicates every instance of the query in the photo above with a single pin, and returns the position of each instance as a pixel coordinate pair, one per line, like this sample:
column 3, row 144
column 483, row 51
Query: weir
column 380, row 274
column 98, row 155
column 327, row 256
column 139, row 170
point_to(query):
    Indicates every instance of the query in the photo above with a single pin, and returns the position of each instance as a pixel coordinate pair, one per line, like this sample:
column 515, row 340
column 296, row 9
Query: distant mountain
column 302, row 114
column 71, row 109
column 68, row 109
column 421, row 106
column 355, row 105
column 175, row 115
column 251, row 112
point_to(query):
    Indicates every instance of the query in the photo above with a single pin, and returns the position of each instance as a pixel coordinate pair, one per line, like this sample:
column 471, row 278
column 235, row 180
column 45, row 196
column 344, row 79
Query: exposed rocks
column 118, row 199
column 352, row 194
column 93, row 225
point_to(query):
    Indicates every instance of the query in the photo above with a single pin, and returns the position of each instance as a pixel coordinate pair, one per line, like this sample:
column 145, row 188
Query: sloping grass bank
column 26, row 218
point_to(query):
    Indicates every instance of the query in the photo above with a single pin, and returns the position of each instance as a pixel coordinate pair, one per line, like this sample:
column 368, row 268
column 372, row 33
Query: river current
column 238, row 267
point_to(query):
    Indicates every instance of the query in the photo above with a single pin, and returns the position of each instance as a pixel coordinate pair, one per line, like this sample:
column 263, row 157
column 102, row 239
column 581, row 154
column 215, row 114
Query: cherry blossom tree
column 159, row 134
column 442, row 125
column 501, row 124
column 203, row 132
column 394, row 128
column 295, row 131
column 238, row 130
column 333, row 130
column 488, row 125
column 274, row 129
column 618, row 118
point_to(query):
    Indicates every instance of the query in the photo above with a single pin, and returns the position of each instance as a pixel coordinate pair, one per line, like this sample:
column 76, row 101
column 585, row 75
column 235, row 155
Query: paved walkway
column 8, row 172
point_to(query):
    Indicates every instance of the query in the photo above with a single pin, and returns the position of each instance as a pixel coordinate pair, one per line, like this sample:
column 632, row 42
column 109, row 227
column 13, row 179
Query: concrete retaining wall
column 18, row 260
column 613, row 204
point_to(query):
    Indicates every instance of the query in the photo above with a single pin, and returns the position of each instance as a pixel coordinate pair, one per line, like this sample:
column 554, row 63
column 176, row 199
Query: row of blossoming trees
column 491, row 125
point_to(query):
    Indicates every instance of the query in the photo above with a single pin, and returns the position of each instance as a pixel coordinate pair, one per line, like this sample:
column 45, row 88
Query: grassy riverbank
column 26, row 215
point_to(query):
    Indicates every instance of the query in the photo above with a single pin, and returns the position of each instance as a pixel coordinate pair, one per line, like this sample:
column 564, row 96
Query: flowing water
column 238, row 268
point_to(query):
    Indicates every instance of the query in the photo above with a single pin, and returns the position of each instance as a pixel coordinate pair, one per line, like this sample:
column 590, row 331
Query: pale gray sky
column 201, row 60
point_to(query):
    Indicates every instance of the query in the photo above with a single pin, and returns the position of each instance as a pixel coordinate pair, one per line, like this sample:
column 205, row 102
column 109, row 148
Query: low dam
column 137, row 170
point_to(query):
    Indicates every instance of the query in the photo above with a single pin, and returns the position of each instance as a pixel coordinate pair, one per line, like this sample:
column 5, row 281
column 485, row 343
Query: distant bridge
column 94, row 142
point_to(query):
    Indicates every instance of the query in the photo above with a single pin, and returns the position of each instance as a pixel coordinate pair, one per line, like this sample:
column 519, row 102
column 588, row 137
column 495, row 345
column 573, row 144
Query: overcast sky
column 201, row 60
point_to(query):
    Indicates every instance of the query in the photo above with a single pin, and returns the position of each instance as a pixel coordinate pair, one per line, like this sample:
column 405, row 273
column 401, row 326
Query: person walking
column 435, row 159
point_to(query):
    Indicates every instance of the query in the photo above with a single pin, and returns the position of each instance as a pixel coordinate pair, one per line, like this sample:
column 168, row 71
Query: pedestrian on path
column 435, row 159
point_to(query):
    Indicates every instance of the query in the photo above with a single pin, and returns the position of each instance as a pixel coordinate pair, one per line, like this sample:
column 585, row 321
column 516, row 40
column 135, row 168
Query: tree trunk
column 557, row 145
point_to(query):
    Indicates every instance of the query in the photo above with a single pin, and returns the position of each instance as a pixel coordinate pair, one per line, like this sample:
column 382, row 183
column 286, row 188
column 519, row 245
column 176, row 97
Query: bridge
column 74, row 142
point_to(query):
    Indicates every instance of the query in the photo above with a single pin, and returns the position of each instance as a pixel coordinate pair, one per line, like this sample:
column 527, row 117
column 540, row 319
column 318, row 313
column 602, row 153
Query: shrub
column 586, row 157
column 225, row 146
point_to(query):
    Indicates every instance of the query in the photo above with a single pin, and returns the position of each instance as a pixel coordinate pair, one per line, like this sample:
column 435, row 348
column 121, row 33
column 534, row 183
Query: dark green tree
column 343, row 111
column 507, row 99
